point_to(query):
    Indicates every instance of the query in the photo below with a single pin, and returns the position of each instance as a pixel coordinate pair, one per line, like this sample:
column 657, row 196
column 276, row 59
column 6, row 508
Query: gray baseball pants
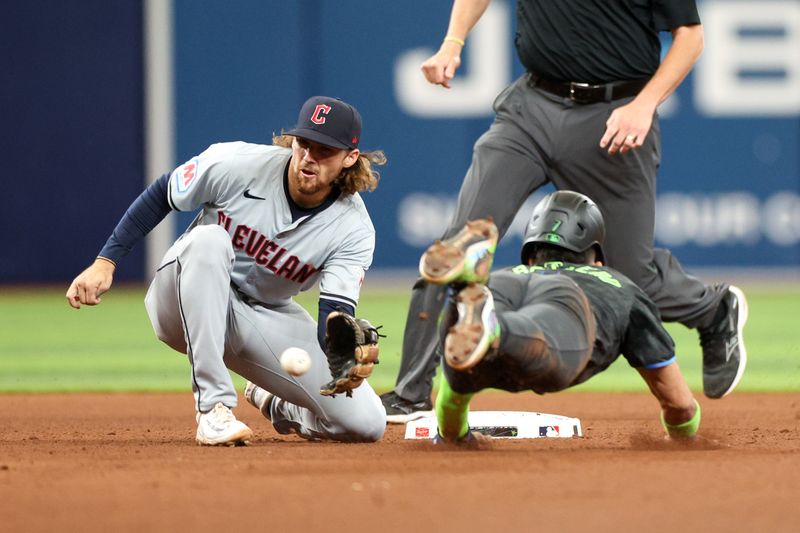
column 537, row 138
column 546, row 342
column 195, row 310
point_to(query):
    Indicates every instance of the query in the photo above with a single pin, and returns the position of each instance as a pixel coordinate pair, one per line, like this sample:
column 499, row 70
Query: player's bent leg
column 266, row 401
column 188, row 304
column 297, row 407
column 161, row 303
column 545, row 343
column 358, row 418
column 544, row 353
column 163, row 298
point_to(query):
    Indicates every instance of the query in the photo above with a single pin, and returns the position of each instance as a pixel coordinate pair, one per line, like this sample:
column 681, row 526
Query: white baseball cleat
column 220, row 427
column 259, row 398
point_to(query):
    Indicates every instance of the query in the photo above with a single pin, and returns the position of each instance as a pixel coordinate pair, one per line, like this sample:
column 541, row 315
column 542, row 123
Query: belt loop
column 609, row 95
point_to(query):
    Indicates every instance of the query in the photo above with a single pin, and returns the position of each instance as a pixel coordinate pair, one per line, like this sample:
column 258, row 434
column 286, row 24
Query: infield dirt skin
column 128, row 462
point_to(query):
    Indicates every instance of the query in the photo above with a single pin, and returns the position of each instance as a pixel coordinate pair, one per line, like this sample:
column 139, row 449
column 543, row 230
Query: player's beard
column 314, row 186
column 309, row 185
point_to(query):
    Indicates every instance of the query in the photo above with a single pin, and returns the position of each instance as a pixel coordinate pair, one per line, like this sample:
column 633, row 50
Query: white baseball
column 295, row 361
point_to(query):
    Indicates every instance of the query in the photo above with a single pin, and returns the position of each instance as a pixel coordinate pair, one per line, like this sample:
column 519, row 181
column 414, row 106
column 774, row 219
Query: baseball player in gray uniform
column 273, row 221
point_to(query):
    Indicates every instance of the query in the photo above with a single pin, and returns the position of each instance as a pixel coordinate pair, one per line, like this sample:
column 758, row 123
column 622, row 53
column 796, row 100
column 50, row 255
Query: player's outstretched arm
column 143, row 215
column 91, row 283
column 680, row 412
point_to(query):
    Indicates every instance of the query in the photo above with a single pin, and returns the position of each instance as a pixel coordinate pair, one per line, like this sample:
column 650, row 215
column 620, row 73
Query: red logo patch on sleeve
column 186, row 174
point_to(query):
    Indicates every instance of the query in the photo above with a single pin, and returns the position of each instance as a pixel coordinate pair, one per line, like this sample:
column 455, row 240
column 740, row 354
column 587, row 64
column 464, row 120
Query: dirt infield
column 125, row 462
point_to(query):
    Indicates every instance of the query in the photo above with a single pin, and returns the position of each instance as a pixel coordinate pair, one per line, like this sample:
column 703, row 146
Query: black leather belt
column 585, row 93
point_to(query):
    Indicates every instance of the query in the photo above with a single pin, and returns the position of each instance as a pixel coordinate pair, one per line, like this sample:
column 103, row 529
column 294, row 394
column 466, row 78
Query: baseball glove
column 351, row 345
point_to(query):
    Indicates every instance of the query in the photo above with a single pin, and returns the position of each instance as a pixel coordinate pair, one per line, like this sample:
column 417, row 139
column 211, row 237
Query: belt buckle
column 575, row 90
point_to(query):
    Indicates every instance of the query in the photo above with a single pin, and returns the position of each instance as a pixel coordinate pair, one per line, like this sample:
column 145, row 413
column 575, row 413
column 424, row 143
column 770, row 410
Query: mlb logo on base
column 548, row 431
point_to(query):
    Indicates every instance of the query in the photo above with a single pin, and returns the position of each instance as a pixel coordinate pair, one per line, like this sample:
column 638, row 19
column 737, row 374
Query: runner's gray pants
column 546, row 340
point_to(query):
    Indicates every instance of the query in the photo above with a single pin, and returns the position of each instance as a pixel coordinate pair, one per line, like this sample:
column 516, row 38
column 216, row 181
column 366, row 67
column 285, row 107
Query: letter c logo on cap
column 318, row 116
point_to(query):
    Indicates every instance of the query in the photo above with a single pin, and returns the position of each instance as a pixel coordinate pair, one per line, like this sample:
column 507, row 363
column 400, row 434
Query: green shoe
column 477, row 331
column 466, row 257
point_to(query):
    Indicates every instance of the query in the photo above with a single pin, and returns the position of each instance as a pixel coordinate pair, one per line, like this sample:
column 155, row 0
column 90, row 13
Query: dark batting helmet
column 567, row 219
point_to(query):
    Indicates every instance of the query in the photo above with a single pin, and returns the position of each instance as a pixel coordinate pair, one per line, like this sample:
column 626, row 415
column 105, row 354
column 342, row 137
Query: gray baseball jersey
column 223, row 293
column 240, row 186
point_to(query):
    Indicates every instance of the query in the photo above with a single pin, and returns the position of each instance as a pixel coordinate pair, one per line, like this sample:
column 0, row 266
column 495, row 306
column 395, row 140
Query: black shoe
column 400, row 410
column 724, row 355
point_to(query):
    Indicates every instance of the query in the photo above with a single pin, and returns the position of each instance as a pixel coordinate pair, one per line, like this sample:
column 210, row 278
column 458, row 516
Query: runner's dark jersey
column 627, row 321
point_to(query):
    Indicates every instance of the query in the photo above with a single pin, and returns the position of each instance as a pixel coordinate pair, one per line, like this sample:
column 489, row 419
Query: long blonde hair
column 358, row 178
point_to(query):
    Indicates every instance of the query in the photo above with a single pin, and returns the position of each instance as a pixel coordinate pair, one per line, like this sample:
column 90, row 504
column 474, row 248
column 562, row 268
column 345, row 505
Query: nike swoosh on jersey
column 252, row 197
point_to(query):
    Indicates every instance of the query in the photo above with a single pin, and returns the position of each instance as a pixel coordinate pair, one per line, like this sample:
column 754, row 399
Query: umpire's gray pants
column 195, row 310
column 538, row 138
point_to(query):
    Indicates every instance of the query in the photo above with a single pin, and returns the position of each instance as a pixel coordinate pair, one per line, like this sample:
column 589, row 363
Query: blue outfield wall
column 729, row 186
column 71, row 138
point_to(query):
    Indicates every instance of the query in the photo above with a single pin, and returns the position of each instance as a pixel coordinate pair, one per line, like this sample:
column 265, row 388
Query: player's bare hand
column 441, row 67
column 627, row 127
column 90, row 284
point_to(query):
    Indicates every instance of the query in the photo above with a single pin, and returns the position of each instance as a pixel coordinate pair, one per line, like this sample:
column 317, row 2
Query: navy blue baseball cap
column 328, row 121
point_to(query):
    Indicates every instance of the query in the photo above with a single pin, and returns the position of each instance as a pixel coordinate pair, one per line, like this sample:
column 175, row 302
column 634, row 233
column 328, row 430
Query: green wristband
column 684, row 430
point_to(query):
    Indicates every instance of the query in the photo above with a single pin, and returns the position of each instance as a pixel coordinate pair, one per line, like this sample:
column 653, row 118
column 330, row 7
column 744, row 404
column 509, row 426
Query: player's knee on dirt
column 368, row 424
